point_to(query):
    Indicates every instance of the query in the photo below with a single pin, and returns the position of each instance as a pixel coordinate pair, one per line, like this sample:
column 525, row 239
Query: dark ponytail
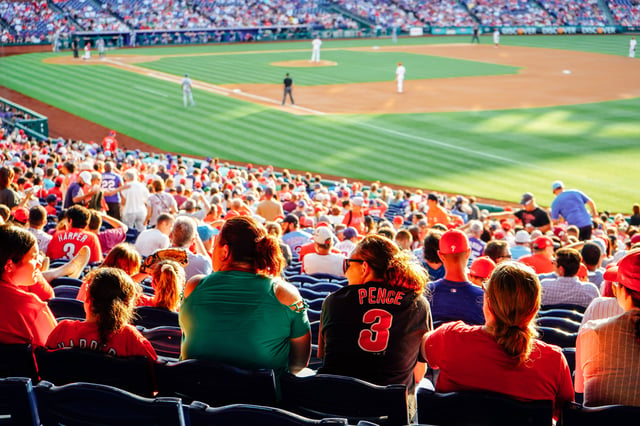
column 112, row 294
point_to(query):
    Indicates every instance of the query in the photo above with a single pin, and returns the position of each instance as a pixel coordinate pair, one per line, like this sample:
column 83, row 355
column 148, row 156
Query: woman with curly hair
column 372, row 328
column 109, row 307
column 503, row 355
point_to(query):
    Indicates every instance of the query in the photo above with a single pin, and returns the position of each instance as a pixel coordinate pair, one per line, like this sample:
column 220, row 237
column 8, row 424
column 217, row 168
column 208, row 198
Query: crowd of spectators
column 91, row 18
column 32, row 22
column 448, row 13
column 625, row 12
column 508, row 12
column 158, row 14
column 582, row 12
column 381, row 13
column 216, row 240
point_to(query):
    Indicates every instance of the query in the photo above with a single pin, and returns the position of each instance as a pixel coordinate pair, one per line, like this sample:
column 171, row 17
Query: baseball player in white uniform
column 100, row 46
column 496, row 37
column 632, row 47
column 186, row 91
column 400, row 72
column 315, row 51
column 87, row 52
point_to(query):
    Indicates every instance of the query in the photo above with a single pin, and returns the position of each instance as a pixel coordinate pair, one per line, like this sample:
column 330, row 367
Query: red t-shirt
column 541, row 264
column 109, row 143
column 471, row 359
column 24, row 318
column 356, row 220
column 82, row 334
column 66, row 244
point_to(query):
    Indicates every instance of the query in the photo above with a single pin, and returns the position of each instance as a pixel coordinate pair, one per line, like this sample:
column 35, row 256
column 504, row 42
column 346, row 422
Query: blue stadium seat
column 558, row 337
column 201, row 414
column 16, row 360
column 67, row 281
column 566, row 306
column 165, row 340
column 561, row 313
column 330, row 278
column 326, row 396
column 303, row 279
column 18, row 402
column 323, row 287
column 94, row 404
column 564, row 324
column 66, row 308
column 308, row 294
column 69, row 365
column 215, row 383
column 66, row 291
column 480, row 409
column 150, row 317
column 609, row 415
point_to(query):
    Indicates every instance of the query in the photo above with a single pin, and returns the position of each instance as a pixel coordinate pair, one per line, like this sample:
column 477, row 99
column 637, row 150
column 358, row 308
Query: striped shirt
column 568, row 290
column 608, row 361
column 601, row 308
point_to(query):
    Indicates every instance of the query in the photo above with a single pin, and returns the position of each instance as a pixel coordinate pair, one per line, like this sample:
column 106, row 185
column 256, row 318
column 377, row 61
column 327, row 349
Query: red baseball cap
column 398, row 220
column 611, row 273
column 542, row 243
column 453, row 241
column 635, row 238
column 21, row 214
column 629, row 270
column 482, row 267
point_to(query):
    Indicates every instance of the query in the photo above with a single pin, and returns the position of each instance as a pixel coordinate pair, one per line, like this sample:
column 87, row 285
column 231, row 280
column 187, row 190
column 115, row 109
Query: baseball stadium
column 503, row 102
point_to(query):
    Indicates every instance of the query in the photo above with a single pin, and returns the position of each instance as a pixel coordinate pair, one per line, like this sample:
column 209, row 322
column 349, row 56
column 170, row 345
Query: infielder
column 632, row 47
column 496, row 37
column 186, row 91
column 315, row 51
column 400, row 72
column 100, row 46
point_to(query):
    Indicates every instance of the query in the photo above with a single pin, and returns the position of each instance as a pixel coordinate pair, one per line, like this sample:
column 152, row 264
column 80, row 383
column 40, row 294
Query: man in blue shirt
column 454, row 297
column 570, row 204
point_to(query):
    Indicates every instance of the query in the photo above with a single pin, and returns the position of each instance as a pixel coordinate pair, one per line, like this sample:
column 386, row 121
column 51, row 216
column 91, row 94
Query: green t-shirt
column 235, row 318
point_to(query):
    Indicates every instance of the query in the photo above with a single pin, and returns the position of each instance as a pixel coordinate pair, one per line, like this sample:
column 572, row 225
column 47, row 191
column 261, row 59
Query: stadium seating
column 95, row 404
column 201, row 414
column 561, row 313
column 18, row 402
column 165, row 340
column 215, row 384
column 66, row 291
column 66, row 308
column 558, row 337
column 480, row 409
column 65, row 281
column 563, row 324
column 150, row 317
column 577, row 415
column 565, row 306
column 325, row 395
column 69, row 365
column 16, row 360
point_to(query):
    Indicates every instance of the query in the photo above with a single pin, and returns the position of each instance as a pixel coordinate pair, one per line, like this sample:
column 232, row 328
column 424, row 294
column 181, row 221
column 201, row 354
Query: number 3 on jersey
column 376, row 338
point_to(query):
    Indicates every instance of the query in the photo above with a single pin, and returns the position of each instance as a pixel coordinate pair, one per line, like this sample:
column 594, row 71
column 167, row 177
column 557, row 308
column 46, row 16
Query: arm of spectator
column 205, row 203
column 502, row 215
column 300, row 347
column 200, row 248
column 592, row 207
column 84, row 196
column 110, row 192
column 114, row 222
column 192, row 284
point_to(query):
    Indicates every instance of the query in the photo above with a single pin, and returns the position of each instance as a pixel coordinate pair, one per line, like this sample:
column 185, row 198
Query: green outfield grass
column 495, row 154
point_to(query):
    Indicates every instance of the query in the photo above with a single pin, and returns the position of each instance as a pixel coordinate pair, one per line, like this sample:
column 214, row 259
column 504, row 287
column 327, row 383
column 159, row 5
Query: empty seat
column 327, row 395
column 66, row 308
column 558, row 337
column 66, row 291
column 215, row 383
column 18, row 402
column 609, row 415
column 94, row 404
column 480, row 409
column 16, row 360
column 564, row 324
column 323, row 287
column 243, row 414
column 165, row 340
column 150, row 317
column 69, row 365
column 565, row 306
column 67, row 281
column 561, row 313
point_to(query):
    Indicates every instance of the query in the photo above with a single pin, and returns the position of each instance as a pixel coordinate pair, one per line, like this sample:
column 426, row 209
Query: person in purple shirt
column 454, row 297
column 110, row 181
column 570, row 204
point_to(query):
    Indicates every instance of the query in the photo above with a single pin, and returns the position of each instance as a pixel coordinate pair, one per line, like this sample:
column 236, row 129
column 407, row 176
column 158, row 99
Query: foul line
column 204, row 86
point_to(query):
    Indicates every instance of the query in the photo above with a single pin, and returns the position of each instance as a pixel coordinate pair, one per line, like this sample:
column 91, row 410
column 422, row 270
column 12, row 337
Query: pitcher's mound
column 303, row 64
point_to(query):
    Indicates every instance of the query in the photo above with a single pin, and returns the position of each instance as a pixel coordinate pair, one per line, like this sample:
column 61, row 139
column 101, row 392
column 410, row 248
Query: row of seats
column 89, row 403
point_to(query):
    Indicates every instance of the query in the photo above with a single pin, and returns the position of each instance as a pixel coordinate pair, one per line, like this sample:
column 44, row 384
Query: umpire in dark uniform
column 75, row 45
column 476, row 32
column 288, row 87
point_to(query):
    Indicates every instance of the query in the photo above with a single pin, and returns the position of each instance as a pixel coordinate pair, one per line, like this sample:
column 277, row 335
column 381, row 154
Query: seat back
column 327, row 396
column 564, row 324
column 565, row 306
column 323, row 287
column 558, row 337
column 67, row 281
column 244, row 414
column 69, row 365
column 16, row 360
column 215, row 384
column 150, row 317
column 18, row 402
column 577, row 415
column 66, row 291
column 66, row 308
column 165, row 340
column 480, row 409
column 561, row 313
column 94, row 404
